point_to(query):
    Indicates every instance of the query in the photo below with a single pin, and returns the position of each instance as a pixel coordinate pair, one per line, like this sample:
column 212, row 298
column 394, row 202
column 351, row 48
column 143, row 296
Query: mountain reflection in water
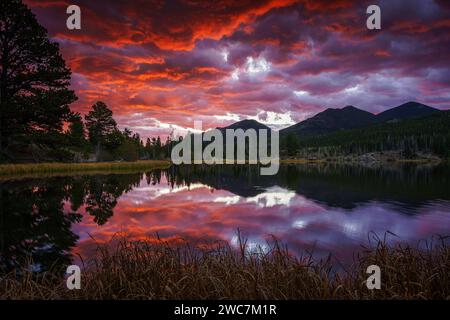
column 324, row 208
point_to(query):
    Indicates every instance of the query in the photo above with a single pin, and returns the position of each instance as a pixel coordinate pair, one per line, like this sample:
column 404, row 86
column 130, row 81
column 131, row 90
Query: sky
column 161, row 65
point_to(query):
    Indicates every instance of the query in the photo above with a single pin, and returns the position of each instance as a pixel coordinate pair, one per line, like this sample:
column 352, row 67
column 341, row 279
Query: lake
column 321, row 208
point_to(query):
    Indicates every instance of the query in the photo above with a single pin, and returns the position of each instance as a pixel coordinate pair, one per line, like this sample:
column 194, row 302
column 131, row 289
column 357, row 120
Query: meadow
column 8, row 171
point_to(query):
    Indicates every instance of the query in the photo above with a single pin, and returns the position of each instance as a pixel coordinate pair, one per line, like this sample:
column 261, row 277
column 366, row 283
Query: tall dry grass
column 36, row 169
column 162, row 270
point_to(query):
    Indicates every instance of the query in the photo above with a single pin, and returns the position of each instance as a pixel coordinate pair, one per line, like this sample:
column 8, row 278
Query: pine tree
column 100, row 124
column 34, row 80
column 158, row 147
column 76, row 132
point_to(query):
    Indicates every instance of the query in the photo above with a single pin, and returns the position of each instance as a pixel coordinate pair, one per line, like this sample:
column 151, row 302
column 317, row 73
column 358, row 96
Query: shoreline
column 357, row 161
column 371, row 158
column 11, row 171
column 26, row 170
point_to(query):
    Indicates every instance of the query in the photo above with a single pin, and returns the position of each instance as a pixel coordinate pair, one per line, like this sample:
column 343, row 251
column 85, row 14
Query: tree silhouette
column 100, row 124
column 103, row 193
column 76, row 132
column 34, row 81
column 34, row 224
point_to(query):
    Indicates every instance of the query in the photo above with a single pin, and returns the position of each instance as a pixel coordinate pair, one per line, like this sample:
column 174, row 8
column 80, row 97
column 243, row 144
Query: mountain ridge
column 245, row 124
column 336, row 119
column 332, row 119
column 407, row 110
column 350, row 117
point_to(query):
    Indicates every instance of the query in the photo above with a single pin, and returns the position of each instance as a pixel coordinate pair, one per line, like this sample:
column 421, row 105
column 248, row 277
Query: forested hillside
column 429, row 134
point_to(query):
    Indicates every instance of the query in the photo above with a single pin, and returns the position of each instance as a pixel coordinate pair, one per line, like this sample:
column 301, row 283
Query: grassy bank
column 36, row 169
column 159, row 270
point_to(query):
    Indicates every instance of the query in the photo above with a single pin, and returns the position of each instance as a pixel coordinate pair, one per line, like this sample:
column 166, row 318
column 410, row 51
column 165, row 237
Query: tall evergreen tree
column 76, row 132
column 34, row 80
column 100, row 124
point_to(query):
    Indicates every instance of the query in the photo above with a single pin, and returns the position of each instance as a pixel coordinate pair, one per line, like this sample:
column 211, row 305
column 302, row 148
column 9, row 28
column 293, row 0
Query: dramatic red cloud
column 160, row 65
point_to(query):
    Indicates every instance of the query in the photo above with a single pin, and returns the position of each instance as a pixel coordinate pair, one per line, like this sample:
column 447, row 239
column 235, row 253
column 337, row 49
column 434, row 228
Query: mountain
column 407, row 110
column 409, row 130
column 246, row 124
column 332, row 120
column 426, row 136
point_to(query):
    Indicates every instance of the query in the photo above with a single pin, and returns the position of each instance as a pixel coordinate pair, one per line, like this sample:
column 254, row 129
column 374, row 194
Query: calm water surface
column 323, row 208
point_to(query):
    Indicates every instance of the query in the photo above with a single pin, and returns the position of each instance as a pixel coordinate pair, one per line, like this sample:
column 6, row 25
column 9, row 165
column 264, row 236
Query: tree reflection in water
column 37, row 214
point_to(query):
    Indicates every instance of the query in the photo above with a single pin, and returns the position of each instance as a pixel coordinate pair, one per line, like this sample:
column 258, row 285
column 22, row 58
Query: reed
column 156, row 269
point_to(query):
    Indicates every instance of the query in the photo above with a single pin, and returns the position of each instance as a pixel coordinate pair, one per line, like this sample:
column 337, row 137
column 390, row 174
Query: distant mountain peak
column 247, row 121
column 412, row 103
column 408, row 110
column 246, row 124
column 332, row 119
